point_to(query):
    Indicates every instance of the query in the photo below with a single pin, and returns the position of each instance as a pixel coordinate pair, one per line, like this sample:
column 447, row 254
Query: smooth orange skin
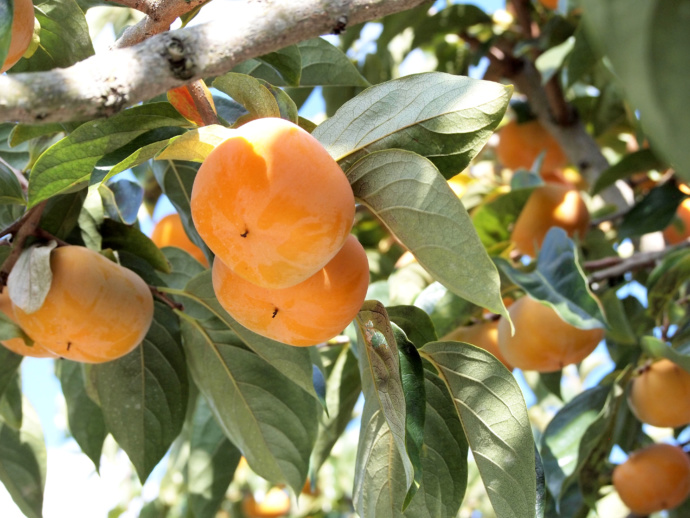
column 272, row 204
column 181, row 99
column 484, row 335
column 551, row 4
column 95, row 311
column 169, row 231
column 543, row 341
column 275, row 504
column 519, row 146
column 309, row 313
column 660, row 396
column 674, row 235
column 22, row 31
column 654, row 478
column 551, row 205
column 17, row 345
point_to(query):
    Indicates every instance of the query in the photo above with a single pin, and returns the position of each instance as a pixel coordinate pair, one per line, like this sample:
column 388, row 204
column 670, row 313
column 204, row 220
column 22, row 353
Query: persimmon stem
column 165, row 299
column 203, row 106
column 22, row 229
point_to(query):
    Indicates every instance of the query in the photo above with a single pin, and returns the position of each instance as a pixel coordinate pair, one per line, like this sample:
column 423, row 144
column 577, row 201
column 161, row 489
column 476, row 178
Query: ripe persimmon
column 679, row 229
column 169, row 231
column 660, row 395
column 550, row 4
column 520, row 144
column 17, row 345
column 272, row 204
column 308, row 313
column 275, row 503
column 95, row 310
column 22, row 32
column 654, row 478
column 543, row 341
column 550, row 205
column 484, row 335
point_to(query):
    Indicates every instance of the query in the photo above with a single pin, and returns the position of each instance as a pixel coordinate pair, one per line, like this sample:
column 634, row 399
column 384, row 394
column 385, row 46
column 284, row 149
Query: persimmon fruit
column 169, row 231
column 543, row 341
column 22, row 32
column 308, row 313
column 276, row 503
column 272, row 204
column 660, row 395
column 95, row 310
column 17, row 345
column 550, row 205
column 484, row 335
column 520, row 144
column 550, row 4
column 654, row 478
column 679, row 229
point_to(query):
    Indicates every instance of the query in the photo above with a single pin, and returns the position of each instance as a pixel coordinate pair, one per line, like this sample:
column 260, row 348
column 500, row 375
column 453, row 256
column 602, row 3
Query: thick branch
column 109, row 82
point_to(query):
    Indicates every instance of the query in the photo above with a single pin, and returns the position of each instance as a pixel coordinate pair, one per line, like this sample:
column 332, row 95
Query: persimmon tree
column 91, row 140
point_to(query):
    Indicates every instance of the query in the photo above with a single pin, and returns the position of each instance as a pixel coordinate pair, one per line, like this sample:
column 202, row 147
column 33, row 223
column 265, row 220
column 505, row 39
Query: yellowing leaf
column 196, row 144
column 182, row 100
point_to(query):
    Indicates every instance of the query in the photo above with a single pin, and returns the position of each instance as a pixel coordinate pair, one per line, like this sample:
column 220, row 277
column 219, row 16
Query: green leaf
column 637, row 162
column 293, row 362
column 9, row 366
column 559, row 281
column 379, row 474
column 119, row 236
column 663, row 284
column 6, row 16
column 450, row 20
column 445, row 309
column 414, row 322
column 287, row 107
column 492, row 410
column 17, row 157
column 11, row 403
column 280, row 68
column 29, row 281
column 326, row 65
column 68, row 164
column 23, row 462
column 64, row 37
column 406, row 192
column 645, row 42
column 250, row 93
column 493, row 220
column 10, row 189
column 144, row 394
column 183, row 267
column 196, row 144
column 260, row 409
column 84, row 416
column 212, row 462
column 445, row 118
column 343, row 387
column 582, row 59
column 121, row 200
column 61, row 213
column 24, row 132
column 620, row 330
column 382, row 383
column 551, row 61
column 658, row 349
column 654, row 212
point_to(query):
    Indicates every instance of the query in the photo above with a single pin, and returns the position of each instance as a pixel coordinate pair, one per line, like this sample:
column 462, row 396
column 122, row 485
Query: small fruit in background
column 520, row 144
column 308, row 313
column 679, row 229
column 274, row 504
column 543, row 341
column 22, row 31
column 660, row 395
column 484, row 335
column 550, row 205
column 169, row 231
column 272, row 204
column 95, row 310
column 653, row 479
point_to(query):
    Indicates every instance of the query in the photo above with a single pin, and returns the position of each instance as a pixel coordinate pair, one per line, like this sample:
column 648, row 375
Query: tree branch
column 105, row 84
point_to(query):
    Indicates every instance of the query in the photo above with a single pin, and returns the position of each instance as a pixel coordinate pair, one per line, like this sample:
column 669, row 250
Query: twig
column 27, row 228
column 203, row 106
column 43, row 234
column 165, row 299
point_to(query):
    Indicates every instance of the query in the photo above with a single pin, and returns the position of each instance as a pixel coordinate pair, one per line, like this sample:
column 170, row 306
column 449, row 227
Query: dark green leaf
column 183, row 267
column 250, row 93
column 9, row 366
column 287, row 107
column 416, row 203
column 326, row 65
column 62, row 212
column 64, row 37
column 119, row 236
column 637, row 162
column 23, row 463
column 212, row 462
column 24, row 132
column 582, row 59
column 443, row 117
column 665, row 280
column 654, row 212
column 121, row 200
column 620, row 330
column 144, row 394
column 67, row 165
column 280, row 68
column 490, row 405
column 450, row 20
column 10, row 189
column 84, row 416
column 11, row 403
column 414, row 322
column 260, row 409
column 17, row 157
column 559, row 281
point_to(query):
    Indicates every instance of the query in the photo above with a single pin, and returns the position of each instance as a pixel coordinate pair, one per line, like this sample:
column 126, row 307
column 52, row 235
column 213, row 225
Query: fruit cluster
column 95, row 310
column 277, row 210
